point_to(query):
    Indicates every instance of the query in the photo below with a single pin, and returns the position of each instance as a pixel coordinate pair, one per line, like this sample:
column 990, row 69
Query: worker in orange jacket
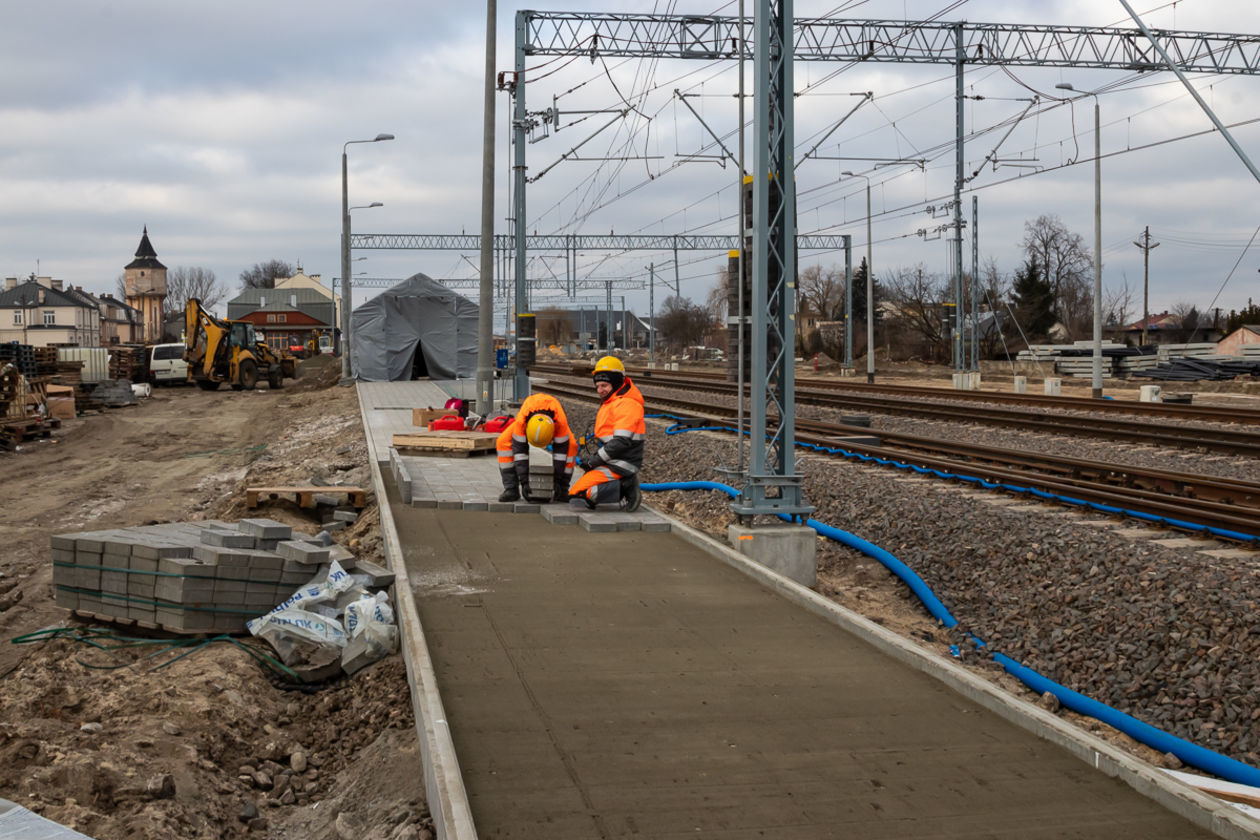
column 541, row 423
column 612, row 472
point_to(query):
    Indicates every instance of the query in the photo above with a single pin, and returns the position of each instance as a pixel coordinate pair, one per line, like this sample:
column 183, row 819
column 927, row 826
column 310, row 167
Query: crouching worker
column 540, row 422
column 612, row 472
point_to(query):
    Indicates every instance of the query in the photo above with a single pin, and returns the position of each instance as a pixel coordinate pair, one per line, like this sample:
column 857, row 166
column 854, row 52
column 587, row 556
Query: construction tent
column 414, row 330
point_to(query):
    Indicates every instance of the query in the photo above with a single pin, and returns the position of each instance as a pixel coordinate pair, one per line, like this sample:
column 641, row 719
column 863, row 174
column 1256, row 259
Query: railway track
column 1149, row 427
column 1224, row 505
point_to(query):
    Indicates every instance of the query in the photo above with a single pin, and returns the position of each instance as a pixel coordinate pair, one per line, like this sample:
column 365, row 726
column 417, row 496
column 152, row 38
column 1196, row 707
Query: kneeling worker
column 540, row 422
column 612, row 473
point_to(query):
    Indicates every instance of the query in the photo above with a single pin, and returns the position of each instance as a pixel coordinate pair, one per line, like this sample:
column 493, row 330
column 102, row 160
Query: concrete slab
column 627, row 684
column 1141, row 533
column 1186, row 542
column 1231, row 554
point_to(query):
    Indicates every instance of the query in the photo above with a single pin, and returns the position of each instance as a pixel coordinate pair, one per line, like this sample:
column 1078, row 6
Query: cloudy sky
column 220, row 127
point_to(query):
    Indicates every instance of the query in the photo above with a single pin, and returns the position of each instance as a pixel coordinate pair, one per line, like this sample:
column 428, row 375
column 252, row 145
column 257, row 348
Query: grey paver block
column 309, row 554
column 227, row 538
column 596, row 525
column 267, row 529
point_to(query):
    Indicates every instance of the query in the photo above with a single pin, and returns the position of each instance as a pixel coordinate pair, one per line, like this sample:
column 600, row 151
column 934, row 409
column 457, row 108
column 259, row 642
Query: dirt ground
column 133, row 742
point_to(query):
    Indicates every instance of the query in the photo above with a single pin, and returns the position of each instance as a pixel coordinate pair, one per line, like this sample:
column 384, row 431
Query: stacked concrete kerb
column 189, row 577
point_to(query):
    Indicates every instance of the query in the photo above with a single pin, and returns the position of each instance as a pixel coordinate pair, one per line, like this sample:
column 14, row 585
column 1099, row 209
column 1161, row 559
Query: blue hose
column 1192, row 754
column 1180, row 524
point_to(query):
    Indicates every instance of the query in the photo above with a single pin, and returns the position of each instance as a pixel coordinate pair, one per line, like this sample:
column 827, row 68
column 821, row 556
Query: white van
column 167, row 365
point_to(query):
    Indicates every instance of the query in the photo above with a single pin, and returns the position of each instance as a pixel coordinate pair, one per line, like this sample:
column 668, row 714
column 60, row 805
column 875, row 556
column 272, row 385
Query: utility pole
column 1146, row 245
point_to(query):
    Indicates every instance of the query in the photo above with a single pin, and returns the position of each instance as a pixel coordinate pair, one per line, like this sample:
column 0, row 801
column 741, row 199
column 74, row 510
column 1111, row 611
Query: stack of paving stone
column 187, row 577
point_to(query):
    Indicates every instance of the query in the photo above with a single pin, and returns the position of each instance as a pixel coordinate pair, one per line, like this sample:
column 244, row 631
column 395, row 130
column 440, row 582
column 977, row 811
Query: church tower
column 145, row 282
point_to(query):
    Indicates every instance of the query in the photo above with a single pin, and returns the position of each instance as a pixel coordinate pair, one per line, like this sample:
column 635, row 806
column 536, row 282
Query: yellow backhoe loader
column 218, row 351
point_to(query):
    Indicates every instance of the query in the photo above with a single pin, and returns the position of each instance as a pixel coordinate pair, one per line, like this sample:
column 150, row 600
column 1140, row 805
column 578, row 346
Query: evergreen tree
column 1034, row 300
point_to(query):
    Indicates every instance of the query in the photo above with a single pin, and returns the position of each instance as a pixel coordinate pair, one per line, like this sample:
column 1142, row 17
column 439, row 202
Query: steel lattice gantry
column 773, row 41
column 917, row 42
column 580, row 242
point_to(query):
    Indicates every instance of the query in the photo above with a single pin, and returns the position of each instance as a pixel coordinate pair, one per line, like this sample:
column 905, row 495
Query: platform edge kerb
column 447, row 797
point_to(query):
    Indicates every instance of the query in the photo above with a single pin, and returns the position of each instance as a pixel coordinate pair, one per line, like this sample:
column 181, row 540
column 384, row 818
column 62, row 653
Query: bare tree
column 263, row 275
column 822, row 290
column 1189, row 319
column 1067, row 265
column 716, row 301
column 1117, row 303
column 994, row 292
column 682, row 323
column 183, row 284
column 916, row 303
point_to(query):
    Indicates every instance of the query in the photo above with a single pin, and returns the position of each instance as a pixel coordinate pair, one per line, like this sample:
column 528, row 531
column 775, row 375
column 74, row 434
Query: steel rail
column 1220, row 414
column 1179, row 497
column 1228, row 441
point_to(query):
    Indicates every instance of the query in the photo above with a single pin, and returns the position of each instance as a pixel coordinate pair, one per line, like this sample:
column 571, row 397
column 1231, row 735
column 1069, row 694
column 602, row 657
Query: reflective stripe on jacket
column 621, row 430
column 513, row 448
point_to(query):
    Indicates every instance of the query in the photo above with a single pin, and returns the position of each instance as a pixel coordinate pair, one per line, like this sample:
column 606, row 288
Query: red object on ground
column 497, row 424
column 447, row 423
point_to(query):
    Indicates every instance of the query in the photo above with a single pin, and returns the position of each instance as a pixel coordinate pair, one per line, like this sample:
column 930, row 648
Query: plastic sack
column 302, row 624
column 317, row 592
column 366, row 612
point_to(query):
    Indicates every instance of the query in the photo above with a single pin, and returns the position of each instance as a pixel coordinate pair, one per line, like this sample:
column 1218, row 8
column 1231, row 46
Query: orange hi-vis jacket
column 513, row 448
column 621, row 431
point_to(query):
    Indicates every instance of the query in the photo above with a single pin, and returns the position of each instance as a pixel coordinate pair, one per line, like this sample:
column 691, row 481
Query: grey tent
column 416, row 329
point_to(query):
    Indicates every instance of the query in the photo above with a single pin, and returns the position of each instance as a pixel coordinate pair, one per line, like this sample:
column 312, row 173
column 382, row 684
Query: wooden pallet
column 304, row 496
column 452, row 443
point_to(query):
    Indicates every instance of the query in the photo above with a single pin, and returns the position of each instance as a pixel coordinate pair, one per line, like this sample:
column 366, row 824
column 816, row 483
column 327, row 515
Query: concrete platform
column 578, row 684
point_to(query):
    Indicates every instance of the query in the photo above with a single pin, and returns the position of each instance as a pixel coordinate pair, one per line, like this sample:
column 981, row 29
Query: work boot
column 511, row 487
column 631, row 497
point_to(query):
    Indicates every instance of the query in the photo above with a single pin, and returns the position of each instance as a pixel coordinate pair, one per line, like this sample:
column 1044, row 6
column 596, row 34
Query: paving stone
column 597, row 525
column 380, row 576
column 305, row 553
column 227, row 539
column 267, row 529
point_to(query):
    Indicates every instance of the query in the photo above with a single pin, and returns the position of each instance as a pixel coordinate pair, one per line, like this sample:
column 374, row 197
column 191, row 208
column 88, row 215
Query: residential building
column 1232, row 344
column 42, row 312
column 120, row 323
column 298, row 309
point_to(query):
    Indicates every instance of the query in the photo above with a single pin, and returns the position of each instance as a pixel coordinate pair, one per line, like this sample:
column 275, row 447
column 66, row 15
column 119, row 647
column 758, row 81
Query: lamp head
column 381, row 137
column 1065, row 86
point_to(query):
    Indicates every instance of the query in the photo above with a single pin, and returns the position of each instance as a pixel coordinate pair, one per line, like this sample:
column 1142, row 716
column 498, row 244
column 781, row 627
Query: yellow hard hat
column 610, row 363
column 539, row 430
column 610, row 369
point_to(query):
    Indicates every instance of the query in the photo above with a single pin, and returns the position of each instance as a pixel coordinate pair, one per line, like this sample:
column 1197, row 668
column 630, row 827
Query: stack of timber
column 69, row 373
column 453, row 444
column 21, row 409
column 130, row 362
column 45, row 360
column 21, row 356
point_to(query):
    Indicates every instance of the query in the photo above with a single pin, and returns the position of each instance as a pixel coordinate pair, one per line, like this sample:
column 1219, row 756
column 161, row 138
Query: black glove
column 586, row 463
column 560, row 489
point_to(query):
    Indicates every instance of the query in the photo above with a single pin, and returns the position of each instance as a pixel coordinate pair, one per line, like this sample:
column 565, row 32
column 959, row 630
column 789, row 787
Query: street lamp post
column 345, row 259
column 1097, row 366
column 870, row 284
